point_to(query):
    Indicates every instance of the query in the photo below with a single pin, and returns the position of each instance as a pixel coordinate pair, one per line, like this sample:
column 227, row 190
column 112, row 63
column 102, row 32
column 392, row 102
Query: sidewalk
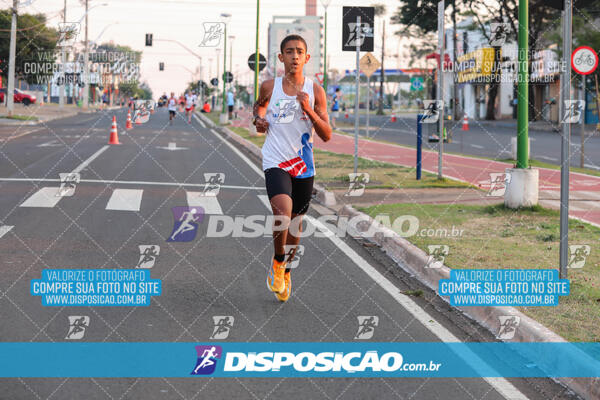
column 584, row 189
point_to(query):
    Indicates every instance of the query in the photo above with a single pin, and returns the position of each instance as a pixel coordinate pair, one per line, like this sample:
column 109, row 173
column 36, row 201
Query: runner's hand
column 261, row 125
column 303, row 99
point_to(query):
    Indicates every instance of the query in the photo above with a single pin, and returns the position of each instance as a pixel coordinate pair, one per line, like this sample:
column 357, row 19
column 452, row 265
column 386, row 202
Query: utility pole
column 224, row 108
column 61, row 95
column 454, row 55
column 10, row 97
column 440, row 86
column 256, row 69
column 380, row 105
column 231, row 57
column 523, row 100
column 565, row 145
column 581, row 149
column 325, row 4
column 86, row 77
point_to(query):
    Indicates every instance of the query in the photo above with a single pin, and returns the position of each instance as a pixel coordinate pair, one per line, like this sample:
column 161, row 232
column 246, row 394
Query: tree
column 420, row 18
column 36, row 43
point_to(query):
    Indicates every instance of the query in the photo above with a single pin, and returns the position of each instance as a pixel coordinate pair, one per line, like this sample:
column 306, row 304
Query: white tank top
column 289, row 139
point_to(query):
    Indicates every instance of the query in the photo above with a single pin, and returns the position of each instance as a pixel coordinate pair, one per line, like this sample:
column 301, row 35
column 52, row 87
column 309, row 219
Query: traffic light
column 161, row 66
column 148, row 39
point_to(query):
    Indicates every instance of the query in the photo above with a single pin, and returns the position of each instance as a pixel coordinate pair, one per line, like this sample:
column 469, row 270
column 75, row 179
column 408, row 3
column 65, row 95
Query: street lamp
column 223, row 117
column 325, row 4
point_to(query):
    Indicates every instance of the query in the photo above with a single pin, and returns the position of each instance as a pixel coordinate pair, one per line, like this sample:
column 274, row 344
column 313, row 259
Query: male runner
column 172, row 107
column 288, row 108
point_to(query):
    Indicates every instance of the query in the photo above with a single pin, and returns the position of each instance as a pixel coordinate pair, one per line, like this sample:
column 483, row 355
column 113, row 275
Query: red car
column 20, row 97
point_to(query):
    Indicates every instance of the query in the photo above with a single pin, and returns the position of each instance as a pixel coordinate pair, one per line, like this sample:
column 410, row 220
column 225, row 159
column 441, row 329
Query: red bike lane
column 468, row 169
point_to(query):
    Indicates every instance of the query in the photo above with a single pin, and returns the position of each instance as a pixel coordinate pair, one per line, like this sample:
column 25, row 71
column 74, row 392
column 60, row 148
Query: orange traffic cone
column 137, row 120
column 114, row 137
column 393, row 119
column 465, row 125
column 128, row 124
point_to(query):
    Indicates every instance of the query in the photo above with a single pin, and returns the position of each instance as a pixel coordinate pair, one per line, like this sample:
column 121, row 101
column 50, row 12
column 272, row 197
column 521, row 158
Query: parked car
column 20, row 97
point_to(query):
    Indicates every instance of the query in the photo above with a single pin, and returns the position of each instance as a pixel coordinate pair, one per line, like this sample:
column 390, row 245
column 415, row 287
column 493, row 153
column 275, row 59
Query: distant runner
column 289, row 109
column 190, row 103
column 172, row 107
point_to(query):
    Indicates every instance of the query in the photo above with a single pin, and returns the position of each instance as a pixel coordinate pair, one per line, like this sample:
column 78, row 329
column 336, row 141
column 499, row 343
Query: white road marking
column 236, row 151
column 4, row 229
column 45, row 197
column 172, row 146
column 504, row 387
column 476, row 146
column 209, row 203
column 52, row 143
column 265, row 200
column 125, row 200
column 182, row 184
column 200, row 122
column 591, row 166
column 548, row 158
column 90, row 159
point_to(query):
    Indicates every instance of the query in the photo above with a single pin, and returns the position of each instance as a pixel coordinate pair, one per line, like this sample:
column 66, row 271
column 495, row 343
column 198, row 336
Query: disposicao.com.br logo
column 318, row 362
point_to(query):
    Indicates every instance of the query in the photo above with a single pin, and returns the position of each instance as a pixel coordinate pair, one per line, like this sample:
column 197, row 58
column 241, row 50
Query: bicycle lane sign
column 584, row 60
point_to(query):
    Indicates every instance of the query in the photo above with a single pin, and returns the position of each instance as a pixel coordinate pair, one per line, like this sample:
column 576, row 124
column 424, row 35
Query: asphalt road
column 484, row 138
column 334, row 284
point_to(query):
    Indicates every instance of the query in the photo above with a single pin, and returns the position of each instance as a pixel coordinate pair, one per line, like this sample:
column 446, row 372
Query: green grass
column 497, row 237
column 21, row 117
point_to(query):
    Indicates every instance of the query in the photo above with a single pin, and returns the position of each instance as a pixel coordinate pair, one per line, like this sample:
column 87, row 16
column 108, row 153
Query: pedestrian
column 289, row 109
column 335, row 107
column 230, row 103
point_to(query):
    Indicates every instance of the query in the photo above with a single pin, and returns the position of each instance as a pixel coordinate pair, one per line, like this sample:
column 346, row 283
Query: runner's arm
column 260, row 107
column 319, row 116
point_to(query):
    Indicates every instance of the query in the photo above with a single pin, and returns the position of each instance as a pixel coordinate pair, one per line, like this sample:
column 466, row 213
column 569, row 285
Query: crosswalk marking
column 125, row 200
column 4, row 229
column 45, row 197
column 209, row 203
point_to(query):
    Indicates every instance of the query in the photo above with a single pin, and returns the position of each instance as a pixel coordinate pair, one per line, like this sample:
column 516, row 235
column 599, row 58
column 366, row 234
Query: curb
column 414, row 261
column 325, row 197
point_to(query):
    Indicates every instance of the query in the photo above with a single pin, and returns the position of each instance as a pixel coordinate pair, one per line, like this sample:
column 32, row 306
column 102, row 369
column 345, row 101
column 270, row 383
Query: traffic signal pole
column 256, row 66
column 523, row 87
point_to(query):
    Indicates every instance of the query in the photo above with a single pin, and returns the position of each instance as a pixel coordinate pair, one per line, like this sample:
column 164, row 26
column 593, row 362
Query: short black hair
column 289, row 38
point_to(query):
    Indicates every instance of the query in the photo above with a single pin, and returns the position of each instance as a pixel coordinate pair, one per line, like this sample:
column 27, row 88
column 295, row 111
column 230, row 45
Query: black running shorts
column 279, row 181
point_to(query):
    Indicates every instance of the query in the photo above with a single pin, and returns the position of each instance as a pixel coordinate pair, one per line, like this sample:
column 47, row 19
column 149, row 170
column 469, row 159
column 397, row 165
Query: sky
column 127, row 21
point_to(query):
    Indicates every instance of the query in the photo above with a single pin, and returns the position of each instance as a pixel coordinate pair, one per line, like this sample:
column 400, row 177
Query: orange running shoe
column 285, row 295
column 275, row 279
